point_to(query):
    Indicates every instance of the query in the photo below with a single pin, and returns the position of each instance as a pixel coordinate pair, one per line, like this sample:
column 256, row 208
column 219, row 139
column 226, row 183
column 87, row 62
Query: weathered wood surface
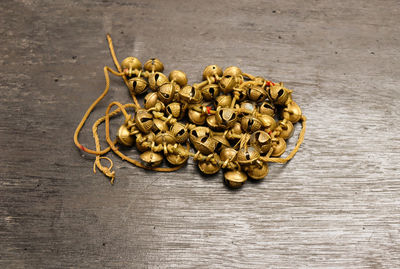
column 336, row 204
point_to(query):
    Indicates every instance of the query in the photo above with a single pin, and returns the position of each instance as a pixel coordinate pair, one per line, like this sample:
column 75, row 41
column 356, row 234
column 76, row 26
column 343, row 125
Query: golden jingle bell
column 176, row 110
column 267, row 108
column 199, row 132
column 150, row 100
column 151, row 158
column 124, row 136
column 279, row 147
column 222, row 142
column 179, row 157
column 226, row 117
column 180, row 132
column 210, row 91
column 230, row 79
column 190, row 95
column 248, row 155
column 165, row 138
column 257, row 171
column 130, row 64
column 228, row 154
column 143, row 120
column 285, row 129
column 223, row 101
column 206, row 145
column 250, row 124
column 137, row 85
column 156, row 80
column 210, row 167
column 268, row 122
column 196, row 114
column 213, row 71
column 278, row 94
column 261, row 141
column 159, row 126
column 212, row 123
column 178, row 77
column 234, row 178
column 292, row 112
column 166, row 92
column 153, row 65
column 256, row 93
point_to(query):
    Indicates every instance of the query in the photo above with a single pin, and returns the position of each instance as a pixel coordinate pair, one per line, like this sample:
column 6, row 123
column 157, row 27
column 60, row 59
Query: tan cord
column 117, row 65
column 90, row 109
column 106, row 170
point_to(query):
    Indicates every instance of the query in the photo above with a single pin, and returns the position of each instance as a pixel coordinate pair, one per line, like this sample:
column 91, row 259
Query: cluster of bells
column 233, row 120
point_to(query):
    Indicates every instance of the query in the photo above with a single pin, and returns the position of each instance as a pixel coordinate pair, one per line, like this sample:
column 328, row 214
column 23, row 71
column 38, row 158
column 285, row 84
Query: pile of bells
column 233, row 120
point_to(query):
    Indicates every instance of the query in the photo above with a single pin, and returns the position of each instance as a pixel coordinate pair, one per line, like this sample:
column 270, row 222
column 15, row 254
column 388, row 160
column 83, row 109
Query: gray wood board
column 336, row 204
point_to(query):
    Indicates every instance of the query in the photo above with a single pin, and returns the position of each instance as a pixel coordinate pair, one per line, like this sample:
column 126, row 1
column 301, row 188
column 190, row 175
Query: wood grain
column 335, row 205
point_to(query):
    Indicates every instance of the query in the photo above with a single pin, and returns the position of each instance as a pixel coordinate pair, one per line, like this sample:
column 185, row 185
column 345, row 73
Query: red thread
column 208, row 110
column 83, row 148
column 270, row 83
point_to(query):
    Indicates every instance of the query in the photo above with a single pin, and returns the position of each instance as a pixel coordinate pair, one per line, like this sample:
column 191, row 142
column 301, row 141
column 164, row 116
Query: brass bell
column 156, row 80
column 179, row 77
column 248, row 107
column 143, row 143
column 223, row 101
column 279, row 94
column 124, row 137
column 256, row 171
column 279, row 147
column 144, row 120
column 256, row 94
column 174, row 109
column 237, row 128
column 196, row 116
column 247, row 155
column 232, row 71
column 229, row 79
column 206, row 145
column 292, row 112
column 212, row 71
column 286, row 129
column 153, row 65
column 222, row 142
column 226, row 116
column 199, row 132
column 165, row 138
column 190, row 94
column 137, row 85
column 228, row 154
column 209, row 167
column 151, row 158
column 261, row 141
column 234, row 178
column 159, row 126
column 166, row 93
column 180, row 132
column 250, row 124
column 178, row 158
column 268, row 122
column 150, row 100
column 212, row 123
column 130, row 64
column 267, row 108
column 210, row 91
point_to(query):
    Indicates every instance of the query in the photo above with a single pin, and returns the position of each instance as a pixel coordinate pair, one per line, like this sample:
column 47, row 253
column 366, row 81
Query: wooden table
column 336, row 204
